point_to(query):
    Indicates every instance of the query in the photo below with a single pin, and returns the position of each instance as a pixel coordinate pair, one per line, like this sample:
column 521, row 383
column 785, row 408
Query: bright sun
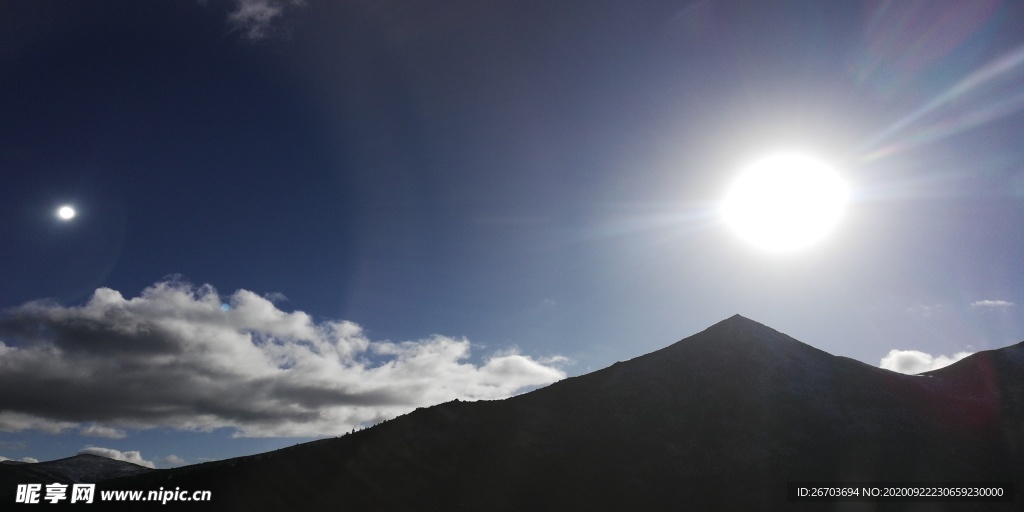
column 785, row 202
column 66, row 212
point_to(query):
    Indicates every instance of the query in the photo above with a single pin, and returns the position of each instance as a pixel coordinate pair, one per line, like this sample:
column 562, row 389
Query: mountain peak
column 739, row 326
column 738, row 319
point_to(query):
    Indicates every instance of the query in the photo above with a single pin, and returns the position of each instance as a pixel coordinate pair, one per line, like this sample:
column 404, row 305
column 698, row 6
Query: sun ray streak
column 1006, row 69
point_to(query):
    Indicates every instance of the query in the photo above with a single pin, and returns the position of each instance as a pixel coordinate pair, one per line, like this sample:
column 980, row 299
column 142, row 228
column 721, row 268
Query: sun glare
column 785, row 202
column 66, row 212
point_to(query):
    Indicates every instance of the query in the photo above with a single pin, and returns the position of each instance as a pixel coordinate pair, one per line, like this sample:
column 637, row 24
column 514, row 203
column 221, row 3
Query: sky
column 299, row 217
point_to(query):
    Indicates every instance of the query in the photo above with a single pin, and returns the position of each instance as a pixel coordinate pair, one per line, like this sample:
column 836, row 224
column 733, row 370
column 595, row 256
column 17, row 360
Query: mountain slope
column 721, row 420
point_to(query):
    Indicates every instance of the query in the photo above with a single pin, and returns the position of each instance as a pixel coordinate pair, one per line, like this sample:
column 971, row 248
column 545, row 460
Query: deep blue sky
column 532, row 176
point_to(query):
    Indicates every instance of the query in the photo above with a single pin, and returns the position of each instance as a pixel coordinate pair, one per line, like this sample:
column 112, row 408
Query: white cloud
column 135, row 457
column 913, row 362
column 172, row 461
column 992, row 304
column 255, row 18
column 171, row 357
column 101, row 431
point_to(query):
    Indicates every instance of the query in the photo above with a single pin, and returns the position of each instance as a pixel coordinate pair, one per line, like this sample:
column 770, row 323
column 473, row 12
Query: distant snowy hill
column 84, row 468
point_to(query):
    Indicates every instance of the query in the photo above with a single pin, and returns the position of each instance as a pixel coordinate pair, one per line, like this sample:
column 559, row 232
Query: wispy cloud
column 913, row 362
column 135, row 457
column 101, row 431
column 172, row 357
column 256, row 19
column 13, row 421
column 992, row 304
column 925, row 310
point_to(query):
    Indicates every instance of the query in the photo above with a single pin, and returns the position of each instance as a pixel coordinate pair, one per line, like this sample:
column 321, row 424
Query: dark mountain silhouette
column 721, row 420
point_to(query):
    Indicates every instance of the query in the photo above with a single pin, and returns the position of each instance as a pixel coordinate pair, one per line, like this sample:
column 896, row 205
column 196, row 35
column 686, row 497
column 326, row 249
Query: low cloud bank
column 30, row 460
column 173, row 357
column 171, row 461
column 912, row 362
